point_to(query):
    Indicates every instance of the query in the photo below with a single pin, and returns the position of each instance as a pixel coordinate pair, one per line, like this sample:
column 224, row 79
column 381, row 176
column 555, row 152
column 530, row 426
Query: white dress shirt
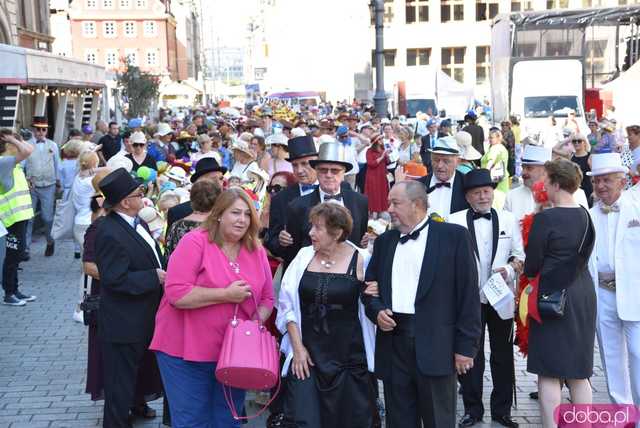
column 405, row 271
column 606, row 250
column 143, row 233
column 440, row 198
column 484, row 238
column 323, row 193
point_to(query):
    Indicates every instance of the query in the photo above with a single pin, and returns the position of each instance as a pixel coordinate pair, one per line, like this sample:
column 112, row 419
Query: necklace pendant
column 235, row 267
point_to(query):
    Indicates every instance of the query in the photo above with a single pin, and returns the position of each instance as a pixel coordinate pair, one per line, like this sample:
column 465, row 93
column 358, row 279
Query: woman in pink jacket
column 212, row 269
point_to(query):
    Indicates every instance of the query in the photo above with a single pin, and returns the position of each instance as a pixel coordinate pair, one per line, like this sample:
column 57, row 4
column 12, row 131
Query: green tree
column 139, row 88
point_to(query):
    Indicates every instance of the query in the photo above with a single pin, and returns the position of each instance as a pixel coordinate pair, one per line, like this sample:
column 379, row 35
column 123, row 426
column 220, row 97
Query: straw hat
column 177, row 173
column 243, row 146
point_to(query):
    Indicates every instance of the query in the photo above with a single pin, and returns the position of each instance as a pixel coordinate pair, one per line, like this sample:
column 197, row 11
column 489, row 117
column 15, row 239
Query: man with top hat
column 330, row 168
column 616, row 274
column 444, row 182
column 302, row 150
column 206, row 169
column 476, row 131
column 43, row 174
column 132, row 274
column 520, row 201
column 422, row 294
column 497, row 244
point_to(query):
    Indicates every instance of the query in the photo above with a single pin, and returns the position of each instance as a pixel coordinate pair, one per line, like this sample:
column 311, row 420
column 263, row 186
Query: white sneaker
column 78, row 316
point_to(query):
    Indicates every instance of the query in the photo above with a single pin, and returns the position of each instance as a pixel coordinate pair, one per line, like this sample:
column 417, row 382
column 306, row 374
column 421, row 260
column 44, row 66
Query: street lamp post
column 380, row 97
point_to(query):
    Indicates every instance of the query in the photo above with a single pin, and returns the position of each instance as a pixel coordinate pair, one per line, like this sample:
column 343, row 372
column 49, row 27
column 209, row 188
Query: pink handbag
column 249, row 359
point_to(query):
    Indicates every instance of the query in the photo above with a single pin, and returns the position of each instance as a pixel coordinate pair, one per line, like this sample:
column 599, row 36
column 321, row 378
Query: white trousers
column 619, row 349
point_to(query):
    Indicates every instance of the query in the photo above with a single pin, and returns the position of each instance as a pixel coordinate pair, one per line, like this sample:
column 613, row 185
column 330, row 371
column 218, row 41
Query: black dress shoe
column 50, row 250
column 505, row 421
column 468, row 421
column 533, row 395
column 143, row 411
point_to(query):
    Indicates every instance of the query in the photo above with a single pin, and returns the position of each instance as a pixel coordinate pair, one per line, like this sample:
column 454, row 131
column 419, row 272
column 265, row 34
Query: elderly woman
column 203, row 196
column 329, row 345
column 139, row 156
column 213, row 269
column 560, row 244
column 496, row 160
column 243, row 157
column 206, row 149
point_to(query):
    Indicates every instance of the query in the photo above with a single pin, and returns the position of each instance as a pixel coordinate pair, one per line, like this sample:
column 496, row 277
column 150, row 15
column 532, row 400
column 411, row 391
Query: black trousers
column 502, row 369
column 413, row 400
column 15, row 242
column 361, row 177
column 120, row 362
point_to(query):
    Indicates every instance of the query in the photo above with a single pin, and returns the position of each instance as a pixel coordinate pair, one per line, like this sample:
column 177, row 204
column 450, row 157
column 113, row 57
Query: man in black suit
column 444, row 182
column 476, row 131
column 206, row 169
column 302, row 150
column 429, row 141
column 131, row 278
column 330, row 167
column 425, row 302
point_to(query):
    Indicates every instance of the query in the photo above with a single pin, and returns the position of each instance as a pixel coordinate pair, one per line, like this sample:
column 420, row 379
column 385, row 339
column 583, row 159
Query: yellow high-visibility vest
column 15, row 203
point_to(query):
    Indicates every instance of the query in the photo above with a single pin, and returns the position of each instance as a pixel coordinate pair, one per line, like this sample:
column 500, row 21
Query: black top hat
column 478, row 178
column 300, row 147
column 116, row 186
column 40, row 122
column 206, row 165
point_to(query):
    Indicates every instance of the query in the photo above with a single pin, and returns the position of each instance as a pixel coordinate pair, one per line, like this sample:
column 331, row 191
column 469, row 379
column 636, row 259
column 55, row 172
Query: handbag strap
column 234, row 411
column 255, row 314
column 586, row 230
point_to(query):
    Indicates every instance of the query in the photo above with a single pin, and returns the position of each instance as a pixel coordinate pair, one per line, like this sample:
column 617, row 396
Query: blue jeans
column 195, row 396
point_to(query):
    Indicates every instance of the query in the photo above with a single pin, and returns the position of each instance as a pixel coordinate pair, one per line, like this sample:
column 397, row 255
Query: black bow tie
column 476, row 215
column 413, row 235
column 337, row 197
column 439, row 185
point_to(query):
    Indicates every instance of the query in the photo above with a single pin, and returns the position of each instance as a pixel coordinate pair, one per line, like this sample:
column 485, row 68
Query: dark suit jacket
column 178, row 212
column 129, row 288
column 458, row 201
column 447, row 305
column 298, row 219
column 477, row 136
column 425, row 145
column 278, row 220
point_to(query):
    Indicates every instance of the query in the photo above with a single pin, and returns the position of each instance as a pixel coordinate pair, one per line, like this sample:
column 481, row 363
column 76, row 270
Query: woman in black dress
column 329, row 385
column 582, row 158
column 560, row 243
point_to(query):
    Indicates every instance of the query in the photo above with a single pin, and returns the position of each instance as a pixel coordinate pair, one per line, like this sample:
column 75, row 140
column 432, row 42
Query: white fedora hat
column 163, row 129
column 446, row 146
column 138, row 138
column 535, row 155
column 606, row 163
column 278, row 140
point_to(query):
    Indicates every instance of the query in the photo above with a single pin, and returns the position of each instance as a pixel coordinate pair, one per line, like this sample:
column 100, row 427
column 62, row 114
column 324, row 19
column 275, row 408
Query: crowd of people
column 373, row 248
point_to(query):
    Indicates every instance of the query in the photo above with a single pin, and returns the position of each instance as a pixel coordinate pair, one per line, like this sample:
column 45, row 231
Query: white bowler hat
column 606, row 163
column 138, row 138
column 535, row 155
column 446, row 146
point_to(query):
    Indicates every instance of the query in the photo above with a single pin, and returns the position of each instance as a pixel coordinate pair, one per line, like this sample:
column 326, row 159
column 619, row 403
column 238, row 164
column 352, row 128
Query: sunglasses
column 333, row 171
column 276, row 188
column 138, row 144
column 576, row 141
column 137, row 195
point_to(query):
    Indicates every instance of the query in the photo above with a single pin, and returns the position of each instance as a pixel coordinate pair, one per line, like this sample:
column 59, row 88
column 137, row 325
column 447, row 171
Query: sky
column 226, row 21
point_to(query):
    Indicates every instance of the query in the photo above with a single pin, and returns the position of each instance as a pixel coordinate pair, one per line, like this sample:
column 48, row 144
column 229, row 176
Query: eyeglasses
column 137, row 195
column 333, row 171
column 276, row 188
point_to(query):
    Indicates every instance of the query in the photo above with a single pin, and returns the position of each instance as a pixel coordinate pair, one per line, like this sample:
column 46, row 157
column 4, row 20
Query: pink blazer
column 196, row 334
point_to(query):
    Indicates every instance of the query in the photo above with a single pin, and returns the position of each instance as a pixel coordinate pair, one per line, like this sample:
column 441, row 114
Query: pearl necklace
column 327, row 264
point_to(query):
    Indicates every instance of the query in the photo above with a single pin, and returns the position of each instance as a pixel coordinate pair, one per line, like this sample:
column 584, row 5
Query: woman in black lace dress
column 329, row 385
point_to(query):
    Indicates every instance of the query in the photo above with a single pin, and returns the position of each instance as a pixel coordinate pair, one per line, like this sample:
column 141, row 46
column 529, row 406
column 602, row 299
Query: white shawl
column 289, row 307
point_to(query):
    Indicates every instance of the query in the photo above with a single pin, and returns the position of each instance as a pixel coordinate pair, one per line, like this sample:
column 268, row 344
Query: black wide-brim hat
column 116, row 186
column 475, row 178
column 301, row 147
column 206, row 165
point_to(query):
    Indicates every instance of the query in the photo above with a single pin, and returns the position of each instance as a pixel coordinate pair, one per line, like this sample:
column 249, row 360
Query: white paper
column 495, row 289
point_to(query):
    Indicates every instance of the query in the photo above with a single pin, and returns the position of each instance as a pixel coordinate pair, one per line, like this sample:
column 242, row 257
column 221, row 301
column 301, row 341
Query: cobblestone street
column 43, row 356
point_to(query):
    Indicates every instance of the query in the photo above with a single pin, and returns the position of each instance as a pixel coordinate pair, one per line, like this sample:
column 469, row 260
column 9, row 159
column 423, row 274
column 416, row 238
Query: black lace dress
column 340, row 392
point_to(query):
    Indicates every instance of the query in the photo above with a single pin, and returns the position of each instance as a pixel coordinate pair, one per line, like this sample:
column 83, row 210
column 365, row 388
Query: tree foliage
column 139, row 88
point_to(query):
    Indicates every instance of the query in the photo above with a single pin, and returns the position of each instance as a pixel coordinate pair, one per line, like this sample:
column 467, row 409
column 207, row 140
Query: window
column 107, row 4
column 595, row 59
column 141, row 4
column 109, row 29
column 451, row 10
column 389, row 57
column 388, row 11
column 521, row 6
column 130, row 28
column 125, row 4
column 132, row 56
column 453, row 62
column 416, row 11
column 91, row 4
column 89, row 29
column 486, row 9
column 150, row 29
column 111, row 58
column 418, row 56
column 483, row 63
column 592, row 3
column 557, row 4
column 152, row 57
column 91, row 56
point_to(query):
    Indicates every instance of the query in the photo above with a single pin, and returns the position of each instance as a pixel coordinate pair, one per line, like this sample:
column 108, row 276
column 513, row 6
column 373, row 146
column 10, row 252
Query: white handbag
column 63, row 220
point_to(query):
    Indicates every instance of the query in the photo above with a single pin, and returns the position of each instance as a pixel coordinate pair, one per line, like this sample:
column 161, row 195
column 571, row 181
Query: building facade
column 25, row 23
column 110, row 32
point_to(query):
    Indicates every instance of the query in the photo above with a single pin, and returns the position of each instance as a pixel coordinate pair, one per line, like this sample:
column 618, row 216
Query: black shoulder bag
column 90, row 305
